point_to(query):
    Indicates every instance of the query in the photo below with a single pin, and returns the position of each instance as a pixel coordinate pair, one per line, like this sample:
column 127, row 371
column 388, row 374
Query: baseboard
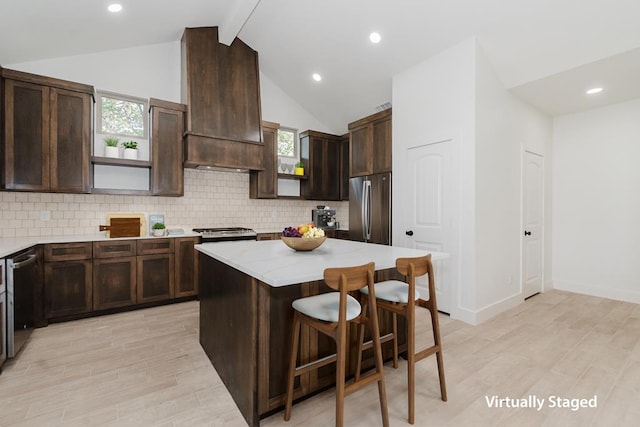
column 598, row 291
column 487, row 312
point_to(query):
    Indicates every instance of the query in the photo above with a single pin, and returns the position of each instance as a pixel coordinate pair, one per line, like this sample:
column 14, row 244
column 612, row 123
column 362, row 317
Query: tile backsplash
column 211, row 199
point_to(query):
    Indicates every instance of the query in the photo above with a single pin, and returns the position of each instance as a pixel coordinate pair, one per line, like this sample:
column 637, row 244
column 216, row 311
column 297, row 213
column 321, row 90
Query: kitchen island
column 246, row 290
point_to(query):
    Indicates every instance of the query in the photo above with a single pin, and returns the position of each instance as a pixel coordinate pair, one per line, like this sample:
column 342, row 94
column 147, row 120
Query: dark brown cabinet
column 167, row 127
column 370, row 147
column 67, row 279
column 320, row 153
column 155, row 270
column 344, row 167
column 47, row 133
column 114, row 274
column 268, row 236
column 221, row 87
column 264, row 184
column 186, row 266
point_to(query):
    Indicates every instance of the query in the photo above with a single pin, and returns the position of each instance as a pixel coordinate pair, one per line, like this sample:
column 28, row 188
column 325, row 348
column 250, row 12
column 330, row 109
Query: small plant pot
column 111, row 152
column 298, row 171
column 131, row 153
column 158, row 233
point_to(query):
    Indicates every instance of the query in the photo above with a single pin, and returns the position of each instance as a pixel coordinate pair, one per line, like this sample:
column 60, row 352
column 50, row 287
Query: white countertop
column 11, row 246
column 274, row 263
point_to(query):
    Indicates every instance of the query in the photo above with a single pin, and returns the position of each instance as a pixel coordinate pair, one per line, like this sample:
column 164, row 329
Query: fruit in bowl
column 304, row 237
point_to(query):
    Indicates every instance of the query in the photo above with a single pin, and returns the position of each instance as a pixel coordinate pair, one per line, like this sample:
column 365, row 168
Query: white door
column 533, row 222
column 433, row 215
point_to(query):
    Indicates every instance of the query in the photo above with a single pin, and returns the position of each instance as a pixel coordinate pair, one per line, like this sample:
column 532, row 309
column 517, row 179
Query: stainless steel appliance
column 3, row 315
column 226, row 234
column 370, row 208
column 22, row 279
column 323, row 217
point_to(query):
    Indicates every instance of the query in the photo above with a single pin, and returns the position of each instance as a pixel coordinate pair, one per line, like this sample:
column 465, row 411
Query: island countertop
column 275, row 264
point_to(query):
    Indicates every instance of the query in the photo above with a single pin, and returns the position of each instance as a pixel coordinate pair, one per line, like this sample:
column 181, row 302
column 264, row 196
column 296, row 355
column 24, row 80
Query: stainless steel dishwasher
column 3, row 314
column 22, row 280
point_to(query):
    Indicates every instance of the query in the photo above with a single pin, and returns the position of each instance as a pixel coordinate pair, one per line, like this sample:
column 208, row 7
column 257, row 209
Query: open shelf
column 291, row 176
column 109, row 161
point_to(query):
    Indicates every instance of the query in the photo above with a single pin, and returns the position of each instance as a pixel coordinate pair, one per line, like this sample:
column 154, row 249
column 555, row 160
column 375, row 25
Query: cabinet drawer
column 155, row 246
column 114, row 249
column 55, row 252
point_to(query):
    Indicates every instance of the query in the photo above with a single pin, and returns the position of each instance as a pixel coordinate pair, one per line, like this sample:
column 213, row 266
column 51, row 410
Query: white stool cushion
column 392, row 291
column 326, row 306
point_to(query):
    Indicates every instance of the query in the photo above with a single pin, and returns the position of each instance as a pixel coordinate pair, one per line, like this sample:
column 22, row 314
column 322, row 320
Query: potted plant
column 130, row 150
column 299, row 168
column 158, row 229
column 111, row 147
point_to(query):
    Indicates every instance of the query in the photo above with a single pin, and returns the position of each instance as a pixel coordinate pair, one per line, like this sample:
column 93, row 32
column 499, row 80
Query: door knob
column 527, row 233
column 409, row 233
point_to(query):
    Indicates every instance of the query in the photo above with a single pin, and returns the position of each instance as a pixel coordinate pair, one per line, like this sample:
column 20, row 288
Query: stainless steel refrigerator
column 370, row 208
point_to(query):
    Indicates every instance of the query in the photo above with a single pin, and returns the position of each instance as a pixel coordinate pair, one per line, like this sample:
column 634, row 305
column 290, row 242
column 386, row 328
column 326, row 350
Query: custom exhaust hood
column 221, row 88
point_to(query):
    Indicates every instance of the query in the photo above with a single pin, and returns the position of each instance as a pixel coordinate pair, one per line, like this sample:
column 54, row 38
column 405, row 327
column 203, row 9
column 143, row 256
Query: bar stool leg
column 295, row 337
column 395, row 340
column 360, row 345
column 411, row 361
column 341, row 349
column 377, row 349
column 436, row 337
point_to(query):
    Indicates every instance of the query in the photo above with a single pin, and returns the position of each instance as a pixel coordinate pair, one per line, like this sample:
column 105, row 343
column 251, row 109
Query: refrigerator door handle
column 363, row 210
column 367, row 203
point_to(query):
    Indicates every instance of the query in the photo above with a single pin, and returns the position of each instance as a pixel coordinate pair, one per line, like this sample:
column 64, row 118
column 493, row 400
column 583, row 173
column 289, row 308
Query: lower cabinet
column 68, row 284
column 114, row 282
column 91, row 276
column 155, row 277
column 68, row 288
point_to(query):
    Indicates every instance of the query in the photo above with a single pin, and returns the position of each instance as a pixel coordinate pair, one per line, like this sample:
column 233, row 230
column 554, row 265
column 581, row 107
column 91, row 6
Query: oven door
column 22, row 279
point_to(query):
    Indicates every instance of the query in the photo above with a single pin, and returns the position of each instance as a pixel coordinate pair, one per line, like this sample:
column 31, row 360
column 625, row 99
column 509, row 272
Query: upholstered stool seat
column 327, row 306
column 392, row 291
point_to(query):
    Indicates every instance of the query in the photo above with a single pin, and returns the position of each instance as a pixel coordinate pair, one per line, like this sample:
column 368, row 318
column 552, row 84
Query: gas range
column 226, row 234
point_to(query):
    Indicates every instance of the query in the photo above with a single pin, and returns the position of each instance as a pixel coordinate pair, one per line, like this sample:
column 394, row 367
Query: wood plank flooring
column 146, row 368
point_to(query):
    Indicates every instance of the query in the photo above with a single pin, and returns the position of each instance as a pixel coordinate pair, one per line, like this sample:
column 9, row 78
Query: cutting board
column 122, row 227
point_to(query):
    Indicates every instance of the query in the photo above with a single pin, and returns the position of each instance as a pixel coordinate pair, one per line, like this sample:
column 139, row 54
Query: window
column 122, row 115
column 287, row 146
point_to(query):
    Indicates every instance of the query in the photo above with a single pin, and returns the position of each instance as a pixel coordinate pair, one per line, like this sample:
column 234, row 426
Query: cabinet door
column 167, row 127
column 186, row 267
column 155, row 277
column 155, row 246
column 114, row 248
column 360, row 151
column 70, row 144
column 344, row 167
column 264, row 184
column 324, row 168
column 68, row 288
column 382, row 146
column 114, row 282
column 26, row 136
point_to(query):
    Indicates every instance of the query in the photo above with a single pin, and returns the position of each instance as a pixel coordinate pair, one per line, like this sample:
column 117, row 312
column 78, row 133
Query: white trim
column 599, row 291
column 475, row 317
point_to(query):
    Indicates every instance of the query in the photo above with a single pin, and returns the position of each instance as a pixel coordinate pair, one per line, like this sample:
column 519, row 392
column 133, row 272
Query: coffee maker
column 323, row 217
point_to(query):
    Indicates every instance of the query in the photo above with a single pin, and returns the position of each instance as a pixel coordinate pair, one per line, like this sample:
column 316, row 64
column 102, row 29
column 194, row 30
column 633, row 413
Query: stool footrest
column 369, row 378
column 427, row 352
column 315, row 364
column 383, row 339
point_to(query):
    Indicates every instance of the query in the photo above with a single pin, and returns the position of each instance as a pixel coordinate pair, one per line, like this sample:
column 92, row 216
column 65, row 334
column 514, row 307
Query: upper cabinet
column 264, row 184
column 344, row 167
column 370, row 144
column 46, row 133
column 221, row 88
column 167, row 127
column 320, row 153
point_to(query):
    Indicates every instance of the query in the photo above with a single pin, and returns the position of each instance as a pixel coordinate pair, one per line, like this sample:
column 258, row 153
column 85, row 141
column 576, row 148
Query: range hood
column 221, row 88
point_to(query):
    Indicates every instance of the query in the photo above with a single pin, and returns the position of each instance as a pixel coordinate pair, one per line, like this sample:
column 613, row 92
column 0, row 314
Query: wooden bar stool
column 393, row 296
column 329, row 313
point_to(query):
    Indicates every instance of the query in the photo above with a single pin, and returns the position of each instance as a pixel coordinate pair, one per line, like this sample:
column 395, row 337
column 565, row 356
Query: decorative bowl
column 302, row 243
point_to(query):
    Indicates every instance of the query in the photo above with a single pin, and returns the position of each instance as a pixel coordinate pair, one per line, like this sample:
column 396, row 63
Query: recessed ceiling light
column 594, row 90
column 114, row 7
column 375, row 37
column 317, row 77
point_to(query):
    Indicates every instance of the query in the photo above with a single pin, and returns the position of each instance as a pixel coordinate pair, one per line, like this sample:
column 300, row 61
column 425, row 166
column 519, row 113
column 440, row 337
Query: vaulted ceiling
column 546, row 51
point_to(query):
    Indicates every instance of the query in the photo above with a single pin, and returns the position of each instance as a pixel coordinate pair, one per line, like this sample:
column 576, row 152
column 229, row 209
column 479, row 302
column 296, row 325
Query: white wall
column 434, row 101
column 596, row 237
column 457, row 95
column 505, row 126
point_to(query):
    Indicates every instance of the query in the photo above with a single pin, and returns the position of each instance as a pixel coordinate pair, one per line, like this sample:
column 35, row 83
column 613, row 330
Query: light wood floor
column 146, row 368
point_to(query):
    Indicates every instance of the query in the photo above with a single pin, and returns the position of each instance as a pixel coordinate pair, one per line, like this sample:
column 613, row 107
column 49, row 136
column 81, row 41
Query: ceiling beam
column 238, row 13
